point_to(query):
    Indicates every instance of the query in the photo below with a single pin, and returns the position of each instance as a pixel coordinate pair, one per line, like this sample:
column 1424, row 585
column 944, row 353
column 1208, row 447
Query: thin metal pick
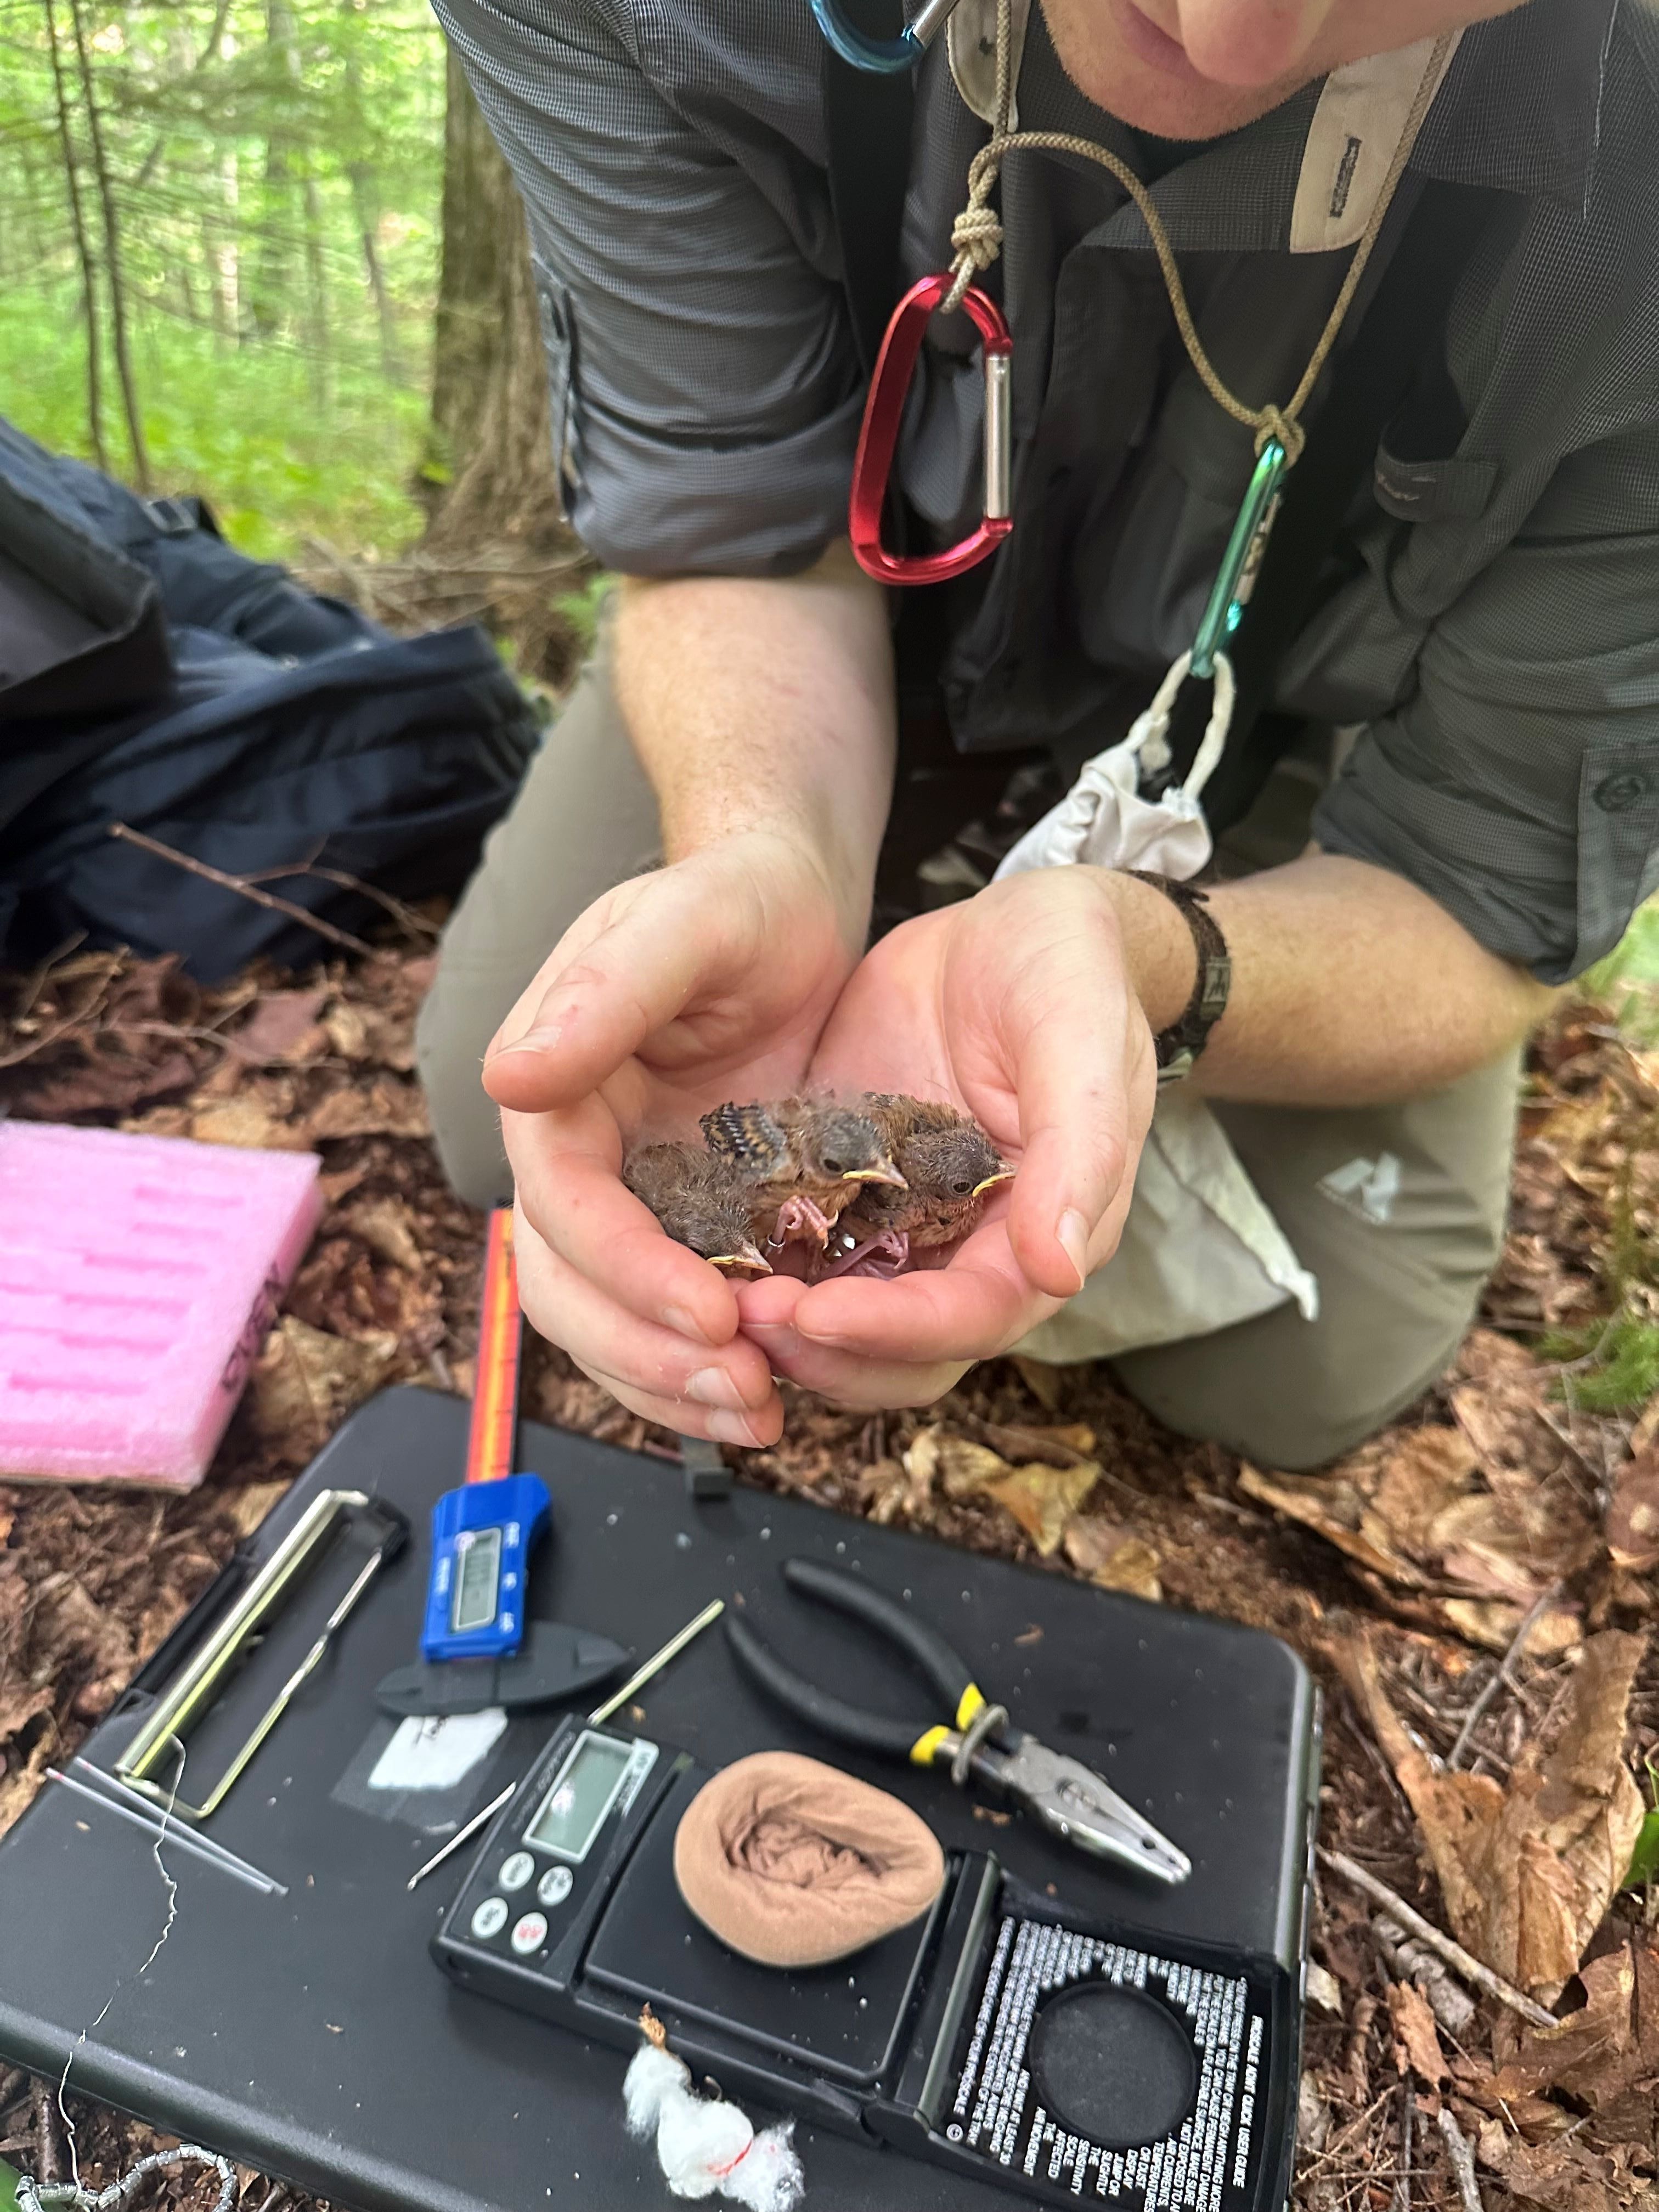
column 637, row 1680
column 656, row 1661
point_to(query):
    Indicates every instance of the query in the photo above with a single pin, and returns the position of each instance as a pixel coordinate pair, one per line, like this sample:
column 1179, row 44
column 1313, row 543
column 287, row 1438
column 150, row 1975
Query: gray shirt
column 1494, row 626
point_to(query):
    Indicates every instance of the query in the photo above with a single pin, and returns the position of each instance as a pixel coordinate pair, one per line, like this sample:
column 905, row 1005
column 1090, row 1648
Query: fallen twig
column 48, row 2132
column 415, row 925
column 1462, row 2162
column 1477, row 1711
column 1413, row 1961
column 1452, row 1952
column 1402, row 2187
column 239, row 884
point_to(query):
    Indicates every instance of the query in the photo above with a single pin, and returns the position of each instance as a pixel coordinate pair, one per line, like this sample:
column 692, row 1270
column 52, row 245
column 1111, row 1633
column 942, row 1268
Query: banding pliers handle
column 943, row 1665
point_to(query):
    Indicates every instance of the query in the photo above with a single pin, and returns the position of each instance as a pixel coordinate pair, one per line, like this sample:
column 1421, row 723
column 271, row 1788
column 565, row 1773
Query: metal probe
column 656, row 1661
column 637, row 1680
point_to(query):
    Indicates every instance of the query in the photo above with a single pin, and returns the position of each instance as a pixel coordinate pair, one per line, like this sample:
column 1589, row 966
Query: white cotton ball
column 701, row 2142
column 651, row 2075
column 705, row 2145
column 769, row 2180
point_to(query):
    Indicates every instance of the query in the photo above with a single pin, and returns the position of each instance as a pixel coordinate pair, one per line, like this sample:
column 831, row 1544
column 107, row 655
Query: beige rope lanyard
column 976, row 234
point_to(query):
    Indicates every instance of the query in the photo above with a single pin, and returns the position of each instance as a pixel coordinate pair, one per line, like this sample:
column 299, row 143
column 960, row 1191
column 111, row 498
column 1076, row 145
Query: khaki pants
column 1398, row 1210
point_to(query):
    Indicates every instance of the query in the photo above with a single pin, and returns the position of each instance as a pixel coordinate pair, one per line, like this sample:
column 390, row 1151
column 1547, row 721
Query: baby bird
column 805, row 1161
column 949, row 1165
column 698, row 1200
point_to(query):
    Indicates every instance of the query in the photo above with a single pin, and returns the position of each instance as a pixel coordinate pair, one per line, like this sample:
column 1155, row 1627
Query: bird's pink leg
column 884, row 1255
column 799, row 1217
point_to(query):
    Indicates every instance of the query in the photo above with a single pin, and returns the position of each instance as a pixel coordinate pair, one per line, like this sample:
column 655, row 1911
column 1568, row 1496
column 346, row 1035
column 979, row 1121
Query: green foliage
column 1627, row 980
column 7, row 2187
column 1620, row 1362
column 581, row 610
column 1644, row 1859
column 275, row 172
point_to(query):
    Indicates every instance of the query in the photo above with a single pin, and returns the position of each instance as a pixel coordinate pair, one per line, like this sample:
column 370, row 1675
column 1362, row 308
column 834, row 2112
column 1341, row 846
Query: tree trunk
column 269, row 282
column 366, row 203
column 322, row 357
column 83, row 248
column 224, row 257
column 117, row 304
column 490, row 412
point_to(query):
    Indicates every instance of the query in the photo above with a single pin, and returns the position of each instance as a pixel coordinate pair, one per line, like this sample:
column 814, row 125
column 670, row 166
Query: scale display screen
column 477, row 1576
column 582, row 1792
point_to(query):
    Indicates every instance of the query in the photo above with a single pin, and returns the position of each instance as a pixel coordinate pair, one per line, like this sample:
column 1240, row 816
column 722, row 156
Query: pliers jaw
column 1074, row 1803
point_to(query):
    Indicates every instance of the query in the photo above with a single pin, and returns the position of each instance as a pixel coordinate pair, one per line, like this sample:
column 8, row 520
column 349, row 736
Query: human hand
column 705, row 981
column 1018, row 1007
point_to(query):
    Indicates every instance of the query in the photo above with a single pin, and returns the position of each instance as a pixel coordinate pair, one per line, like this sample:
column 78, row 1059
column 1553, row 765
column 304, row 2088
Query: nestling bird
column 699, row 1202
column 950, row 1166
column 805, row 1161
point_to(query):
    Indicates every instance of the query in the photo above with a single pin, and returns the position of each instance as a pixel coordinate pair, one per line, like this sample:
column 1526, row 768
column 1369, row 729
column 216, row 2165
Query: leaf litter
column 1402, row 1575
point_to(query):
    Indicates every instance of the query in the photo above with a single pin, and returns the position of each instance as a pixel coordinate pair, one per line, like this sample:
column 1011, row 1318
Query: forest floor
column 1401, row 1576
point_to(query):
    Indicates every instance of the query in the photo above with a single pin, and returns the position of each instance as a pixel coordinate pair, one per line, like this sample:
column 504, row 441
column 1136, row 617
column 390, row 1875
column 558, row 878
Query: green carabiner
column 1240, row 562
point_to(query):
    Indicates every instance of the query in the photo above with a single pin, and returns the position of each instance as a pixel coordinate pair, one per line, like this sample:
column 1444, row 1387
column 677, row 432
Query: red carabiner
column 879, row 437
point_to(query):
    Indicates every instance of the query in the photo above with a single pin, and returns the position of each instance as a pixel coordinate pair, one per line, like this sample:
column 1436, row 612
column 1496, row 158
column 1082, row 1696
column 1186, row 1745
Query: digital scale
column 1000, row 2035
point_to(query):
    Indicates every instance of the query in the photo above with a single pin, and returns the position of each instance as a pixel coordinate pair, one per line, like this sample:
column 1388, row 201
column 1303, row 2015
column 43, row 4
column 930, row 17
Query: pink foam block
column 138, row 1276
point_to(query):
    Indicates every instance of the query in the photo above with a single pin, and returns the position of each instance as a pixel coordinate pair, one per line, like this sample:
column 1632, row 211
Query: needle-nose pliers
column 977, row 1744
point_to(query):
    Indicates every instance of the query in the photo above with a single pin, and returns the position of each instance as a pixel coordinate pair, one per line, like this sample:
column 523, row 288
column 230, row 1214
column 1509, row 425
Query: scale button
column 490, row 1918
column 530, row 1933
column 516, row 1871
column 556, row 1884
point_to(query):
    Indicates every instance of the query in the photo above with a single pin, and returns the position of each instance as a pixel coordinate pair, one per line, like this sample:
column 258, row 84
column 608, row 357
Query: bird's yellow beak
column 746, row 1256
column 1002, row 1174
column 884, row 1171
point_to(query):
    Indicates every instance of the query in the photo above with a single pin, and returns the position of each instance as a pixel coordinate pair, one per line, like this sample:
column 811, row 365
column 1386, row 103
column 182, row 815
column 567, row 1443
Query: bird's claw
column 884, row 1255
column 799, row 1218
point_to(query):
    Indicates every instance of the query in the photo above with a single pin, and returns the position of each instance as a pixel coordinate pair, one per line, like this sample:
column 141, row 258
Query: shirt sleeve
column 704, row 380
column 1518, row 784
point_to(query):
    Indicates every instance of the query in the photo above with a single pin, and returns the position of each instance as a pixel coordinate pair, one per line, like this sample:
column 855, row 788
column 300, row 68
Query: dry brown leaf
column 1606, row 2054
column 19, row 1784
column 1043, row 1499
column 1633, row 1515
column 386, row 1225
column 306, row 1382
column 1043, row 1380
column 20, row 1703
column 1569, row 2176
column 72, row 1627
column 1112, row 1557
column 1417, row 2038
column 360, row 1032
column 282, row 1026
column 347, row 1029
column 1491, row 1623
column 244, row 1509
column 960, row 1467
column 380, row 1108
column 255, row 1122
column 1424, row 1510
column 1528, row 1871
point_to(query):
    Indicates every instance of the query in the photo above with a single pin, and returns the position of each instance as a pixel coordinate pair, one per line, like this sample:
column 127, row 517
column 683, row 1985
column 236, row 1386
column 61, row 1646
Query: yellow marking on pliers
column 972, row 1703
column 925, row 1750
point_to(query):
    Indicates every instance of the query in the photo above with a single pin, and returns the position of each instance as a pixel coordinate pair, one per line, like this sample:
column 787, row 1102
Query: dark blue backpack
column 150, row 674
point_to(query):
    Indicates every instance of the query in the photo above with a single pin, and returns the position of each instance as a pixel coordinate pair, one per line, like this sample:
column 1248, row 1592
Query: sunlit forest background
column 220, row 250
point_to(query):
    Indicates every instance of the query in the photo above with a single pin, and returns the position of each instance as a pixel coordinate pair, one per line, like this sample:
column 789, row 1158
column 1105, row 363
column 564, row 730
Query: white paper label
column 437, row 1753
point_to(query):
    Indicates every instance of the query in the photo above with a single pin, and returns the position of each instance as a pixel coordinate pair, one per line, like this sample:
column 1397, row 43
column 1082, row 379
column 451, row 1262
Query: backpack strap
column 1402, row 329
column 867, row 121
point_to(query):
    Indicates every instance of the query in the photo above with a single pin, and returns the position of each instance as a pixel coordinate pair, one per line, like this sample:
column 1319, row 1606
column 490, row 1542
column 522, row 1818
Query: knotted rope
column 976, row 235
